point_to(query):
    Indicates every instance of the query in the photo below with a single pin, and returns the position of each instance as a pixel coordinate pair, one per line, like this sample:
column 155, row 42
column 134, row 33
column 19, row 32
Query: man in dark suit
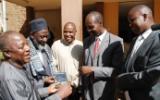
column 103, row 53
column 141, row 69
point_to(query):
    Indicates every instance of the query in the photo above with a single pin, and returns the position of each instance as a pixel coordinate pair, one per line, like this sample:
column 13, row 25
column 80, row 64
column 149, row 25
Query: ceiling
column 38, row 4
column 55, row 4
column 46, row 4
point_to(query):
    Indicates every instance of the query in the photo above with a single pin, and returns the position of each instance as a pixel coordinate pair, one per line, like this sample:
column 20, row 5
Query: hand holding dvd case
column 60, row 77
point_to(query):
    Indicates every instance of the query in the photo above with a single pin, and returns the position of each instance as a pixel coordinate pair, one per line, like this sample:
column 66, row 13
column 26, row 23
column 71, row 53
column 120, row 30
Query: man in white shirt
column 67, row 53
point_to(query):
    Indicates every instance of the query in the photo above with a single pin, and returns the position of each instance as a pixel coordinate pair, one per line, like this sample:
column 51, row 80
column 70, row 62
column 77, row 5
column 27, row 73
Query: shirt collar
column 102, row 35
column 146, row 33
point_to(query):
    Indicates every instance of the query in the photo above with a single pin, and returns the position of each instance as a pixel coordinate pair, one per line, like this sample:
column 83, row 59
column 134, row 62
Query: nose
column 27, row 48
column 130, row 24
column 66, row 33
column 45, row 39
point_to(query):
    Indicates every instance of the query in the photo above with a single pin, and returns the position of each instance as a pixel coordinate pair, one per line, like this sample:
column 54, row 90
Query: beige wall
column 16, row 16
column 72, row 11
column 53, row 18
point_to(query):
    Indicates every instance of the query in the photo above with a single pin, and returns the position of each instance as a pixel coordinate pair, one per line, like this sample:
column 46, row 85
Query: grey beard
column 41, row 47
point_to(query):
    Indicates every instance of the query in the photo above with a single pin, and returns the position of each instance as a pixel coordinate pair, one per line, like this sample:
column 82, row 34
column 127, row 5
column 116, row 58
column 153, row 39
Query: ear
column 7, row 53
column 145, row 16
column 75, row 30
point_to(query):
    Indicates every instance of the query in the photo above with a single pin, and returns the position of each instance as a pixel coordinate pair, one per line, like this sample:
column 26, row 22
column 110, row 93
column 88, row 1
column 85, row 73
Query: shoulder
column 6, row 71
column 78, row 42
column 58, row 42
column 115, row 37
column 29, row 41
column 156, row 32
column 88, row 41
column 155, row 35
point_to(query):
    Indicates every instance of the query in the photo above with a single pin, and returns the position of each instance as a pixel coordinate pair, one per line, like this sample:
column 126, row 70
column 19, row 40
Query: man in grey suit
column 101, row 59
column 141, row 69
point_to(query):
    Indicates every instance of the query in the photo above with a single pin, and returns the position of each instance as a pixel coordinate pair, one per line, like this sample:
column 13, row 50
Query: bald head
column 5, row 39
column 69, row 32
column 94, row 23
column 15, row 48
column 70, row 24
column 140, row 19
column 96, row 16
column 143, row 9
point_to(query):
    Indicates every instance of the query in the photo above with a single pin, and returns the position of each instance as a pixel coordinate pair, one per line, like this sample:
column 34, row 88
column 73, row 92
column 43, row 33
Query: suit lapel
column 141, row 49
column 90, row 49
column 127, row 62
column 145, row 44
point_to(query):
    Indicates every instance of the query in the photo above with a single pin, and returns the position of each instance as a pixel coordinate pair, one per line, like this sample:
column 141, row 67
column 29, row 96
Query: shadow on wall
column 25, row 28
column 30, row 15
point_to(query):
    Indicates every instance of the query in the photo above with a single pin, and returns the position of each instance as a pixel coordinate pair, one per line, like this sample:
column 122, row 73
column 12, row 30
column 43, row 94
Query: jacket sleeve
column 53, row 97
column 137, row 80
column 147, row 76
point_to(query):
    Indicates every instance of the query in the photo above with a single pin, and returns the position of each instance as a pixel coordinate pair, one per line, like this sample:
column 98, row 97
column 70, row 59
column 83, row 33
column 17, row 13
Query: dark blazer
column 99, row 86
column 142, row 72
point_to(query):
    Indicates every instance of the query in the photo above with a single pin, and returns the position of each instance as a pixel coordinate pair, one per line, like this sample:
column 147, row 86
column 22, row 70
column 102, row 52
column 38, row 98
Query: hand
column 48, row 79
column 52, row 89
column 86, row 70
column 64, row 91
column 119, row 95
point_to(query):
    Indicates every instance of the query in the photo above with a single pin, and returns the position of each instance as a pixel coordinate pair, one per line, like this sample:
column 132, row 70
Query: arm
column 53, row 49
column 136, row 80
column 115, row 61
column 45, row 91
column 144, row 78
column 63, row 92
column 53, row 97
column 16, row 90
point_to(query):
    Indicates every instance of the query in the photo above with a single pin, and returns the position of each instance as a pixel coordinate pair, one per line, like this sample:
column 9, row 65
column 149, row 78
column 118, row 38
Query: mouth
column 27, row 56
column 68, row 38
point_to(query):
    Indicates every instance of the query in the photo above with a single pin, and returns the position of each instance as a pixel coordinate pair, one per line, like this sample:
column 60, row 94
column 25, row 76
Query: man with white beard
column 41, row 63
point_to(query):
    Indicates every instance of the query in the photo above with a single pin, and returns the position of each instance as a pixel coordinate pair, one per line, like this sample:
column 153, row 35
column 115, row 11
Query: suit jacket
column 142, row 72
column 99, row 85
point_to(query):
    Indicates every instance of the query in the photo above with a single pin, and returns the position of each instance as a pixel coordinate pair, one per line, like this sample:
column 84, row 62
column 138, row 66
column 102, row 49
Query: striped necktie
column 96, row 46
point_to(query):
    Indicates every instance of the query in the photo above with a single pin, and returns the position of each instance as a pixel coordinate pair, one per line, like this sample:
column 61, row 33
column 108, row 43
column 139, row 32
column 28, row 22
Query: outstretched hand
column 64, row 91
column 48, row 79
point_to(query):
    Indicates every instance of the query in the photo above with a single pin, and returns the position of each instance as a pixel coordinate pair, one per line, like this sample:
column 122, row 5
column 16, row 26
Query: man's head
column 39, row 31
column 94, row 23
column 15, row 47
column 140, row 18
column 69, row 32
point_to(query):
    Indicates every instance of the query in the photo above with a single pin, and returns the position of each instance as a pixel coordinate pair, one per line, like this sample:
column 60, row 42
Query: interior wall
column 15, row 18
column 53, row 18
